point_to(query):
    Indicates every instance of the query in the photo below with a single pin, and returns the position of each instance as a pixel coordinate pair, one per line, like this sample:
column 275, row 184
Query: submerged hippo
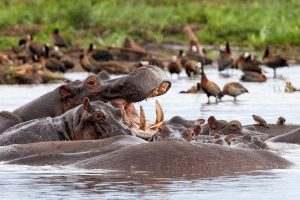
column 178, row 129
column 91, row 120
column 288, row 133
column 220, row 132
column 166, row 158
column 145, row 82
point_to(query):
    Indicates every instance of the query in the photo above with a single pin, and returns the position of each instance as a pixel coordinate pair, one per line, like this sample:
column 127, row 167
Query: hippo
column 178, row 129
column 145, row 82
column 162, row 158
column 220, row 132
column 288, row 133
column 91, row 120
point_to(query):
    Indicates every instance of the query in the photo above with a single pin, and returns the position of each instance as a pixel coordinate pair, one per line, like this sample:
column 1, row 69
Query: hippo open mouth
column 137, row 122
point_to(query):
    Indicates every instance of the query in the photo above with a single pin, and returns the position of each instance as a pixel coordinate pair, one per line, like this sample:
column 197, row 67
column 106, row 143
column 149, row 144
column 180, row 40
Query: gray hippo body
column 171, row 158
column 145, row 82
column 91, row 120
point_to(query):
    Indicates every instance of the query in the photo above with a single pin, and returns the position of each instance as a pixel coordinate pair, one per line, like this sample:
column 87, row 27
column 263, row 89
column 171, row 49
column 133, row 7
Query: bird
column 209, row 87
column 99, row 55
column 260, row 121
column 194, row 89
column 280, row 121
column 250, row 76
column 192, row 67
column 246, row 62
column 174, row 67
column 58, row 39
column 226, row 59
column 273, row 61
column 234, row 89
column 150, row 61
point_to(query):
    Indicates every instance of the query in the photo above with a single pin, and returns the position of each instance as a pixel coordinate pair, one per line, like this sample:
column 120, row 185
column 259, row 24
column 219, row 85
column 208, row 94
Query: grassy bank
column 248, row 23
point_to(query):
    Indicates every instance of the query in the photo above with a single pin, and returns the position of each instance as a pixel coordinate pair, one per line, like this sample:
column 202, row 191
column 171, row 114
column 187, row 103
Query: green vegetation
column 248, row 23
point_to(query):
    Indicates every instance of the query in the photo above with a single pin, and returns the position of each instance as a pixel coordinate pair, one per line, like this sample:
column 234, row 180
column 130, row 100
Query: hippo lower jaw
column 137, row 122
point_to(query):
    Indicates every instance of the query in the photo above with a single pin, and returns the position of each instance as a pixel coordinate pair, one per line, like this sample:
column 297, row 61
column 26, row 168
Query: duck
column 225, row 59
column 86, row 64
column 58, row 39
column 99, row 55
column 246, row 62
column 192, row 68
column 174, row 67
column 209, row 87
column 151, row 61
column 250, row 76
column 234, row 89
column 111, row 66
column 273, row 61
column 194, row 89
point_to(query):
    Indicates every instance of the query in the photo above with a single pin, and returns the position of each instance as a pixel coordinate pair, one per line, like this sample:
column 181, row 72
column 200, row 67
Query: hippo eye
column 99, row 115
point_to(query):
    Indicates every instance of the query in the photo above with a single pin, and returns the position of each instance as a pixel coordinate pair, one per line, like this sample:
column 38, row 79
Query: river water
column 266, row 99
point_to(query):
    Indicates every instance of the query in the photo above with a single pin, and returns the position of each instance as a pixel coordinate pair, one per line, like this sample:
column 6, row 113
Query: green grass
column 247, row 23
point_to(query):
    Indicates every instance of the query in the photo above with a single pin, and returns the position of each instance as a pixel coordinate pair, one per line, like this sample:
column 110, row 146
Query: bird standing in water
column 209, row 87
column 273, row 61
column 234, row 89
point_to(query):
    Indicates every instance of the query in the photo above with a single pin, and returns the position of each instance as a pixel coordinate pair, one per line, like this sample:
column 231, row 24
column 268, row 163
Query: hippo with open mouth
column 91, row 120
column 145, row 82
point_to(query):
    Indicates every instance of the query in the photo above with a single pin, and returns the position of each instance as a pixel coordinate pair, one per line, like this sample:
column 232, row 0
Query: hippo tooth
column 142, row 119
column 156, row 126
column 159, row 112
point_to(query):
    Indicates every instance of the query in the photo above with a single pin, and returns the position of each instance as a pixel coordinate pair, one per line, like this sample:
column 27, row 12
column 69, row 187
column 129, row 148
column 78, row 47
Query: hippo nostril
column 99, row 116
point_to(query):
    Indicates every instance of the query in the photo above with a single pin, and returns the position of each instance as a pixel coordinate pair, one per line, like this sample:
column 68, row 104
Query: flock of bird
column 193, row 61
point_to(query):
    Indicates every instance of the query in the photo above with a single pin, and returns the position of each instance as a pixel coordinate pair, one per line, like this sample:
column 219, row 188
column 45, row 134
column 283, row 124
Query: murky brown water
column 268, row 100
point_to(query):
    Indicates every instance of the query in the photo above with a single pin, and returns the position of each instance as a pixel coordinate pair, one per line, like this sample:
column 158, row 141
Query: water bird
column 260, row 121
column 58, row 39
column 234, row 89
column 280, row 121
column 192, row 67
column 225, row 59
column 273, row 61
column 209, row 87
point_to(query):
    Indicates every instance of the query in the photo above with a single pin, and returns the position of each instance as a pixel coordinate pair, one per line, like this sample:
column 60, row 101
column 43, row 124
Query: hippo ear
column 65, row 91
column 103, row 75
column 86, row 104
column 199, row 121
column 91, row 81
column 197, row 129
column 212, row 122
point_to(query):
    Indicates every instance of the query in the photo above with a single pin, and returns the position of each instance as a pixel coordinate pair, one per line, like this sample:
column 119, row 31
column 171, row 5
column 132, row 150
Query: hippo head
column 96, row 120
column 175, row 129
column 145, row 82
column 214, row 126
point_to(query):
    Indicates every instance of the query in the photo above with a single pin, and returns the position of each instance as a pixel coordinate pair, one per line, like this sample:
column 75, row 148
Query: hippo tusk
column 156, row 126
column 159, row 112
column 142, row 119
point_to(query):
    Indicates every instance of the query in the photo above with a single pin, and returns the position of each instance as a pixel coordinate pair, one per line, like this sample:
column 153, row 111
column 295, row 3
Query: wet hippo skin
column 91, row 120
column 135, row 87
column 172, row 158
